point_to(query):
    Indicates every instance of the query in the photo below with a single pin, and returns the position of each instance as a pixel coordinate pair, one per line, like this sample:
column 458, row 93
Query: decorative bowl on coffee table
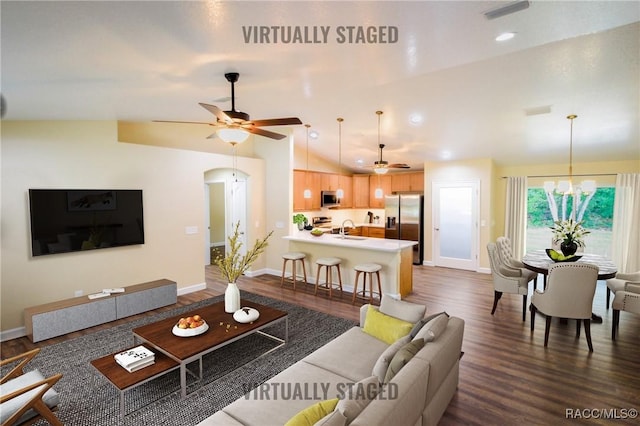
column 190, row 332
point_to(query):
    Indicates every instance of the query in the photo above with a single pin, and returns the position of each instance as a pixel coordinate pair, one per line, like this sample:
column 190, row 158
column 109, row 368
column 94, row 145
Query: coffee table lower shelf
column 123, row 381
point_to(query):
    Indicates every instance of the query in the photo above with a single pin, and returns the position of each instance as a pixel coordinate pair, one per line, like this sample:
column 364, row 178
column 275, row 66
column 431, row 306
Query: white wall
column 86, row 154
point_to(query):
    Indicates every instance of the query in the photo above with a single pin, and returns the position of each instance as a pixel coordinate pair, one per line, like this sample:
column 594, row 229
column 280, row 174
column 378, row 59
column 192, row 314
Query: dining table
column 538, row 261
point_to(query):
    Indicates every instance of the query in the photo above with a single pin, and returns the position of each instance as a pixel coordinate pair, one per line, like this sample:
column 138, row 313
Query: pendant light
column 307, row 191
column 379, row 193
column 340, row 191
column 565, row 187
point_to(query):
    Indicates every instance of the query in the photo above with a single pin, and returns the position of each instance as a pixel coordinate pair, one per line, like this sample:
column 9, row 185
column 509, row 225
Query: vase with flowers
column 569, row 234
column 235, row 264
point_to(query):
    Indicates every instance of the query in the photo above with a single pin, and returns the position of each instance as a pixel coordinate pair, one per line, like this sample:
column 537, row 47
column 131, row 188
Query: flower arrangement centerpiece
column 570, row 234
column 235, row 264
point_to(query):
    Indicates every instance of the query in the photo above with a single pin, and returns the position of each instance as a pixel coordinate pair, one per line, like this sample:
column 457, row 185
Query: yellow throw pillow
column 311, row 415
column 384, row 327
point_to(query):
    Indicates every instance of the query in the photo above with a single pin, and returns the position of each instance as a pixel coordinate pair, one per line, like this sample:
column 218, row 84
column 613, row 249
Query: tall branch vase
column 231, row 298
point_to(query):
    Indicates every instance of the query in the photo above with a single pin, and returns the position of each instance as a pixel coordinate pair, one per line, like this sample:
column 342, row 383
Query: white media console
column 57, row 318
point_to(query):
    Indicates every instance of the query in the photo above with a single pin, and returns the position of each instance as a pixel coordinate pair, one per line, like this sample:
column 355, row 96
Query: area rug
column 87, row 399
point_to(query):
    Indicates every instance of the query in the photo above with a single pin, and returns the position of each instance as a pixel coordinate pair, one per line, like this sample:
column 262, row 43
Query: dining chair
column 569, row 294
column 506, row 257
column 624, row 301
column 27, row 396
column 622, row 281
column 507, row 280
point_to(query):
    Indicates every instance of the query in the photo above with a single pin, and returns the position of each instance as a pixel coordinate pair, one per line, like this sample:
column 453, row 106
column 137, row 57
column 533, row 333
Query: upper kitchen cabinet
column 407, row 182
column 361, row 191
column 346, row 182
column 378, row 181
column 306, row 180
column 330, row 181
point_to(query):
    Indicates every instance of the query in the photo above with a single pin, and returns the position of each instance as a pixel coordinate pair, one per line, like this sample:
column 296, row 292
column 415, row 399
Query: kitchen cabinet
column 378, row 181
column 361, row 191
column 407, row 182
column 346, row 182
column 330, row 181
column 372, row 231
column 306, row 180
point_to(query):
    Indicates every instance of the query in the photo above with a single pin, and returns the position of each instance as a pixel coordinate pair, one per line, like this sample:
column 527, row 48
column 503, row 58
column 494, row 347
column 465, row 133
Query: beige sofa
column 417, row 395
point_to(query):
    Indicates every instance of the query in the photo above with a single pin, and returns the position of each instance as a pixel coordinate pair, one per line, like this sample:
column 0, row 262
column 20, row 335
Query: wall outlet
column 191, row 230
column 78, row 293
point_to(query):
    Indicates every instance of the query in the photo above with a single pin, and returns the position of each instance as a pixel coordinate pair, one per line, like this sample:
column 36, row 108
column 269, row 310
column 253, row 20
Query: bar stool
column 328, row 263
column 368, row 269
column 293, row 257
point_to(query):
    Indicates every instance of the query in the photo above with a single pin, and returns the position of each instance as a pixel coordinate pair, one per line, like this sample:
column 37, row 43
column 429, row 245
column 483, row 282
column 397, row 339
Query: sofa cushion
column 433, row 329
column 382, row 364
column 357, row 397
column 385, row 327
column 351, row 355
column 312, row 414
column 402, row 357
column 336, row 418
column 50, row 398
column 418, row 325
column 406, row 311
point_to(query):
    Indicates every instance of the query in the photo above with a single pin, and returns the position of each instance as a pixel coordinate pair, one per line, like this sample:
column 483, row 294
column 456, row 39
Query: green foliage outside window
column 598, row 216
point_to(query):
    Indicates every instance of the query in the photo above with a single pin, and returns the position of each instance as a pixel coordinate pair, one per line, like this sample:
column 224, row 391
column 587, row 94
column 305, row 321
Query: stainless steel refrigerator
column 404, row 221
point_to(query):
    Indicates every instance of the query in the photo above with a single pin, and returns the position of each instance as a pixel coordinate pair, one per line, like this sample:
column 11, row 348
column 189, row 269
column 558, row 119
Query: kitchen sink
column 350, row 237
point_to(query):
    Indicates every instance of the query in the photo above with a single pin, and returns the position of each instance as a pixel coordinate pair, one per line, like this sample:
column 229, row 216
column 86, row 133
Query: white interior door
column 237, row 193
column 455, row 222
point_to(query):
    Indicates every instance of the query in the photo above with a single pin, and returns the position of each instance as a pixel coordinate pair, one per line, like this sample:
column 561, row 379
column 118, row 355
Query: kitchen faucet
column 342, row 227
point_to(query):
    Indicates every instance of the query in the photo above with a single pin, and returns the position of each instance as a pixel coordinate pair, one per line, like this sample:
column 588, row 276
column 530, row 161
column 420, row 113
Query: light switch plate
column 191, row 230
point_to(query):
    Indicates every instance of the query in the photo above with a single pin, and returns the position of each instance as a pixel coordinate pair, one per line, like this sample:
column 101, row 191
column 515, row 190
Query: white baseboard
column 484, row 270
column 191, row 288
column 14, row 333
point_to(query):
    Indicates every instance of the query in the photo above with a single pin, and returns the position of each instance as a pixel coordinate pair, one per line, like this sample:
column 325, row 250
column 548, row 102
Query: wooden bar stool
column 328, row 263
column 368, row 269
column 293, row 257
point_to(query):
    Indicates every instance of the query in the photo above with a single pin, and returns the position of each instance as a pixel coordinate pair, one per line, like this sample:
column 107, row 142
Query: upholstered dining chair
column 622, row 281
column 569, row 294
column 27, row 396
column 624, row 301
column 507, row 258
column 506, row 280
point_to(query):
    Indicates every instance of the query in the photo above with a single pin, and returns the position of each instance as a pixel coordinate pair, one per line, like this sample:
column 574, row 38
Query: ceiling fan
column 235, row 126
column 381, row 166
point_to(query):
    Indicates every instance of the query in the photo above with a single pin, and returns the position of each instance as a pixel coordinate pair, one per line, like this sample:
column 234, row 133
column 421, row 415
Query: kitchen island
column 395, row 257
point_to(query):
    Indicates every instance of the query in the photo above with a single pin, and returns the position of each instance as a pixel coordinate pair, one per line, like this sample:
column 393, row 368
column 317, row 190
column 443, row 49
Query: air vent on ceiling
column 498, row 12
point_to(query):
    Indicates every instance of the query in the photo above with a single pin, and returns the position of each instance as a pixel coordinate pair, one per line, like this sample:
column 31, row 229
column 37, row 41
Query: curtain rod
column 581, row 175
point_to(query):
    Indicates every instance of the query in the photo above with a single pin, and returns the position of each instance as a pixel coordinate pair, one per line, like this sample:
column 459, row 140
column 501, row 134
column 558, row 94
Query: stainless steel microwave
column 329, row 199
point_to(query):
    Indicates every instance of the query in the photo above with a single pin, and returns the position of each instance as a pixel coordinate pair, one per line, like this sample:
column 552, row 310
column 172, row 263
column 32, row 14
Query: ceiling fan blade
column 183, row 122
column 265, row 133
column 399, row 166
column 220, row 115
column 277, row 122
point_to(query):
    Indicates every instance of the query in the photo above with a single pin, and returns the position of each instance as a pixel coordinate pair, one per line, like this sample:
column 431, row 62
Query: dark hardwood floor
column 507, row 376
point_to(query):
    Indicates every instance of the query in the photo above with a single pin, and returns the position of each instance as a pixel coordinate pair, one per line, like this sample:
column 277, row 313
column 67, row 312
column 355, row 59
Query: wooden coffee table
column 223, row 330
column 173, row 352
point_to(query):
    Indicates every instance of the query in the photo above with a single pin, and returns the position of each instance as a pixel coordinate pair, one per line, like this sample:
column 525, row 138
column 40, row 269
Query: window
column 597, row 217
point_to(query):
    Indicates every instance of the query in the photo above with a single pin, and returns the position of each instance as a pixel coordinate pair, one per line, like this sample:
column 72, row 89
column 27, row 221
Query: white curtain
column 626, row 223
column 515, row 216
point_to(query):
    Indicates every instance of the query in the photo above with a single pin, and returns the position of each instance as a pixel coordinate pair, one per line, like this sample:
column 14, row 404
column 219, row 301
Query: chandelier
column 567, row 189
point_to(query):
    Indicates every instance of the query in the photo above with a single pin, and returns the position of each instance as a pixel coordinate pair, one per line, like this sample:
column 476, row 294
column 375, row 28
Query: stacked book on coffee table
column 135, row 358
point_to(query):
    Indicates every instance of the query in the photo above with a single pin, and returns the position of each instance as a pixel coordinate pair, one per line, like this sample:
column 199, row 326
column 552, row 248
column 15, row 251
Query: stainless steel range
column 321, row 222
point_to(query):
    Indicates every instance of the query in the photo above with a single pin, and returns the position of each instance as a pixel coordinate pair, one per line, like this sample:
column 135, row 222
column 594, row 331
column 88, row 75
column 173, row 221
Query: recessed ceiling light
column 314, row 134
column 505, row 36
column 415, row 118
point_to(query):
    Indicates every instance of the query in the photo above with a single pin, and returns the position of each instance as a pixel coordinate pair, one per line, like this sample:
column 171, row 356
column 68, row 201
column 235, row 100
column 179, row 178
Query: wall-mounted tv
column 69, row 220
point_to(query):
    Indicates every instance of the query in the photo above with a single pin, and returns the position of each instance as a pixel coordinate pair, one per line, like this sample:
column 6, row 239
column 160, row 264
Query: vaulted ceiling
column 434, row 61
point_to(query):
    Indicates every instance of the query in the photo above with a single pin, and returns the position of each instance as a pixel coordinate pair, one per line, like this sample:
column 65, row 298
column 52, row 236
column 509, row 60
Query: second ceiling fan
column 381, row 166
column 233, row 124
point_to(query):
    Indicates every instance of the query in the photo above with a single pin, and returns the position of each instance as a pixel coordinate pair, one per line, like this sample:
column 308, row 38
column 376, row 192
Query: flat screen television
column 69, row 220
